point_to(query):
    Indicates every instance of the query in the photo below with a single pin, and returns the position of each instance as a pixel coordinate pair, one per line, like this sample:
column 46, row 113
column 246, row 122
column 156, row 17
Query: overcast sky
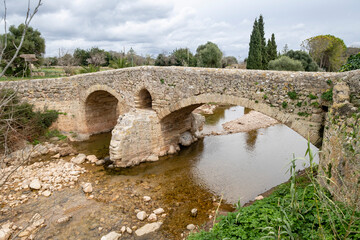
column 156, row 26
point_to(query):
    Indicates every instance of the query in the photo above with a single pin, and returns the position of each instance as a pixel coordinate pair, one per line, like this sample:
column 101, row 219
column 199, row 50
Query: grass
column 298, row 209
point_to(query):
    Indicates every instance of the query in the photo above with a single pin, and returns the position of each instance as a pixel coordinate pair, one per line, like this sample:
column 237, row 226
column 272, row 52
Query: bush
column 284, row 63
column 353, row 63
column 306, row 60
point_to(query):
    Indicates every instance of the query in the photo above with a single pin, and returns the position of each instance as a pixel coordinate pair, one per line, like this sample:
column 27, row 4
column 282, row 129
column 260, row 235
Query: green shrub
column 284, row 104
column 89, row 69
column 327, row 95
column 303, row 114
column 353, row 63
column 299, row 104
column 311, row 96
column 292, row 95
column 285, row 63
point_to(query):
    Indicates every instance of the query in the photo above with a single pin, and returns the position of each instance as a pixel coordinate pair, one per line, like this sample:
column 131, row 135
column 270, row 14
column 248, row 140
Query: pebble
column 152, row 217
column 111, row 236
column 79, row 159
column 123, row 229
column 92, row 158
column 148, row 228
column 194, row 212
column 35, row 184
column 87, row 187
column 190, row 227
column 128, row 230
column 46, row 193
column 141, row 215
column 260, row 197
column 64, row 219
column 146, row 198
column 159, row 211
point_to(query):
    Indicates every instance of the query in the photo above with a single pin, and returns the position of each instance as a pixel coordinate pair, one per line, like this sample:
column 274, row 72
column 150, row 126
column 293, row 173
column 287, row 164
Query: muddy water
column 237, row 166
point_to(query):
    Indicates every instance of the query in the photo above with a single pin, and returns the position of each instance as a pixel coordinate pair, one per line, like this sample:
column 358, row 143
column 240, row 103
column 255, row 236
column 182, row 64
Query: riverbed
column 232, row 167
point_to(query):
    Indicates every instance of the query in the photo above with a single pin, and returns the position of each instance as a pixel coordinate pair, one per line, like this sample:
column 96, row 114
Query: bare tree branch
column 29, row 17
column 5, row 35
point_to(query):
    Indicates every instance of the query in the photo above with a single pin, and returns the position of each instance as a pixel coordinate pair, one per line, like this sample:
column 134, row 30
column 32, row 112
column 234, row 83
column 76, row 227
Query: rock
column 87, row 187
column 141, row 215
column 54, row 139
column 146, row 198
column 35, row 184
column 186, row 139
column 64, row 219
column 92, row 158
column 100, row 162
column 123, row 229
column 190, row 227
column 56, row 156
column 128, row 230
column 79, row 159
column 172, row 150
column 46, row 193
column 152, row 217
column 260, row 197
column 6, row 230
column 148, row 228
column 111, row 236
column 152, row 158
column 194, row 212
column 159, row 211
column 66, row 151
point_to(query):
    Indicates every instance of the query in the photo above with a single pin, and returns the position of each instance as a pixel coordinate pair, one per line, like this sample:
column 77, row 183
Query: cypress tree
column 264, row 57
column 271, row 48
column 254, row 60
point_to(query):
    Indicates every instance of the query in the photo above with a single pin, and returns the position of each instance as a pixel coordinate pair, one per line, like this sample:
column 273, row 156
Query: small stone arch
column 143, row 99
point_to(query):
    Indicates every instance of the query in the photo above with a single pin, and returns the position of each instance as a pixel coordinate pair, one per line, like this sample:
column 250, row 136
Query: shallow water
column 236, row 166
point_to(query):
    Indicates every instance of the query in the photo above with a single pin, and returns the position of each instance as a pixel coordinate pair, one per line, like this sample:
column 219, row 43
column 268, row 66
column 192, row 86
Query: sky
column 160, row 26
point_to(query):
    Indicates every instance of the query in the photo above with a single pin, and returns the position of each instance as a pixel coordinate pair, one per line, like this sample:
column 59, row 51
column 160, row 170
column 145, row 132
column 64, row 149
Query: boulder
column 111, row 236
column 79, row 159
column 148, row 228
column 186, row 139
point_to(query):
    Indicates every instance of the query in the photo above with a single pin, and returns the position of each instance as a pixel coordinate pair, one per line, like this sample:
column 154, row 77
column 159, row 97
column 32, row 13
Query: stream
column 232, row 167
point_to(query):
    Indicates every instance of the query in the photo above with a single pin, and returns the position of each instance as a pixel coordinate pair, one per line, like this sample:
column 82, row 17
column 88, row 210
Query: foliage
column 164, row 60
column 33, row 43
column 81, row 56
column 89, row 69
column 183, row 57
column 97, row 57
column 327, row 95
column 312, row 96
column 307, row 62
column 284, row 104
column 284, row 63
column 353, row 63
column 271, row 48
column 328, row 51
column 209, row 55
column 264, row 54
column 228, row 61
column 24, row 121
column 298, row 209
column 292, row 95
column 119, row 63
column 254, row 60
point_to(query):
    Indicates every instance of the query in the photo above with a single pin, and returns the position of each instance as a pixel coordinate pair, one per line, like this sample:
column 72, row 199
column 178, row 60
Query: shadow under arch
column 187, row 105
column 143, row 99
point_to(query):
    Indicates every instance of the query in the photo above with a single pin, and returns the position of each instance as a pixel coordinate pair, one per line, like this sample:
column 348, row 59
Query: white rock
column 148, row 228
column 5, row 231
column 146, row 198
column 152, row 217
column 92, row 158
column 172, row 150
column 79, row 159
column 56, row 156
column 194, row 212
column 159, row 211
column 190, row 227
column 141, row 215
column 100, row 162
column 87, row 187
column 260, row 197
column 186, row 139
column 128, row 230
column 111, row 236
column 35, row 184
column 153, row 158
column 63, row 219
column 123, row 229
column 46, row 193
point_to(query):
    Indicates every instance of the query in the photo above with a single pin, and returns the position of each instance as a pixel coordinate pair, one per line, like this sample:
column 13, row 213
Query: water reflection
column 251, row 137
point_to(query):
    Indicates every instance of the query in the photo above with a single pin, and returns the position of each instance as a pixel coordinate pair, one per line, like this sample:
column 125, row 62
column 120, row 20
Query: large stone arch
column 308, row 129
column 102, row 105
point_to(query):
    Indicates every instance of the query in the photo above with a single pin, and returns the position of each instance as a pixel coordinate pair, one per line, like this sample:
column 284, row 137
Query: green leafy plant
column 327, row 95
column 284, row 104
column 312, row 96
column 292, row 94
column 89, row 69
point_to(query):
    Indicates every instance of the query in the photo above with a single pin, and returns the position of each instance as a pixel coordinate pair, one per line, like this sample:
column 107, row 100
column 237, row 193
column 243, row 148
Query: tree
column 271, row 48
column 209, row 55
column 328, row 51
column 4, row 41
column 284, row 63
column 228, row 61
column 97, row 57
column 264, row 54
column 81, row 56
column 353, row 63
column 254, row 60
column 306, row 60
column 184, row 57
column 32, row 43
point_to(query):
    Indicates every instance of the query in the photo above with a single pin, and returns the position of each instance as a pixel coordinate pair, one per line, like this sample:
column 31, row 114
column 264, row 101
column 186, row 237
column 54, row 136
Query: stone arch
column 102, row 108
column 143, row 99
column 305, row 128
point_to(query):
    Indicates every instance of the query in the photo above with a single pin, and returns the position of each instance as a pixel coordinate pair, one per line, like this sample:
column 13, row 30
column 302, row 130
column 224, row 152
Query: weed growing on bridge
column 284, row 104
column 327, row 95
column 299, row 104
column 312, row 96
column 292, row 94
column 298, row 209
column 303, row 114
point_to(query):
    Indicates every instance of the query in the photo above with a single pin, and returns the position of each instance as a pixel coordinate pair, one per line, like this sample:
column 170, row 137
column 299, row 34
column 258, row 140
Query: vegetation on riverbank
column 299, row 209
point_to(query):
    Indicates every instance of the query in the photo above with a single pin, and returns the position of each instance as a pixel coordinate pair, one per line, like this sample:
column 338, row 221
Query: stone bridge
column 150, row 107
